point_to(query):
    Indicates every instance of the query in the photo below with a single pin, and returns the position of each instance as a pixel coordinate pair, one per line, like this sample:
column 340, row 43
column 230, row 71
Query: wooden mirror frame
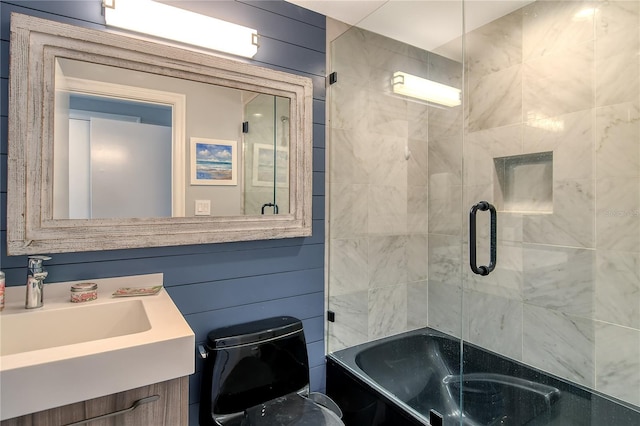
column 31, row 228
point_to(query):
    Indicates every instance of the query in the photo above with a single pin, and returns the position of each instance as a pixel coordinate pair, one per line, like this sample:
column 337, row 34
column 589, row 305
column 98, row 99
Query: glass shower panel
column 395, row 185
column 552, row 140
column 266, row 154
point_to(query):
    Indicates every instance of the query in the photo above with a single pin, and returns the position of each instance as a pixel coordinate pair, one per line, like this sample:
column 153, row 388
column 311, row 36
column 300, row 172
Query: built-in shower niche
column 525, row 183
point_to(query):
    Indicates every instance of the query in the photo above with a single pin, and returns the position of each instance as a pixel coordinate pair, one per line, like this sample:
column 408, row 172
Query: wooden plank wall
column 218, row 284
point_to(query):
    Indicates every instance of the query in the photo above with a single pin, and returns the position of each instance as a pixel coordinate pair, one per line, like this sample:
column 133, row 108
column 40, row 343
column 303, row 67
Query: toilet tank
column 252, row 363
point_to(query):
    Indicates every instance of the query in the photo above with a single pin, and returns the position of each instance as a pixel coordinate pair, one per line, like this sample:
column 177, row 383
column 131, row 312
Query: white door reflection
column 118, row 167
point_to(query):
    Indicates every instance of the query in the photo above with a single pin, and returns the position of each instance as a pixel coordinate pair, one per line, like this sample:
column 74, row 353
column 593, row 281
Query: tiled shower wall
column 558, row 77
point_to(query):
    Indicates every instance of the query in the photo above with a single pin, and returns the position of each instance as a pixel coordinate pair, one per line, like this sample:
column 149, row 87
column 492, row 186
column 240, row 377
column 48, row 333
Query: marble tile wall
column 555, row 76
column 560, row 76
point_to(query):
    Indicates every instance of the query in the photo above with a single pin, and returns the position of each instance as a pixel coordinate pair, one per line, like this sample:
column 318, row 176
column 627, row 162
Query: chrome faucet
column 35, row 281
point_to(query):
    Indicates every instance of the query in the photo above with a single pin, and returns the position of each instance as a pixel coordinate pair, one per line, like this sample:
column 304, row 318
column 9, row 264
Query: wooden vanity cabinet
column 171, row 409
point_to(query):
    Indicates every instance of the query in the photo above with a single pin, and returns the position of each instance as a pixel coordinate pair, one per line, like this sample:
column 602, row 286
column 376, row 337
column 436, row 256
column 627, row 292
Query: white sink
column 60, row 327
column 68, row 352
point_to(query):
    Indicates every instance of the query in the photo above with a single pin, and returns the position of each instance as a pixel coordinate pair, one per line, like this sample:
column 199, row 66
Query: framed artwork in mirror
column 214, row 162
column 269, row 166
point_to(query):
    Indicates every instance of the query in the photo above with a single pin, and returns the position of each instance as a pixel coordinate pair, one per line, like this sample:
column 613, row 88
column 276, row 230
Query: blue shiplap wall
column 217, row 284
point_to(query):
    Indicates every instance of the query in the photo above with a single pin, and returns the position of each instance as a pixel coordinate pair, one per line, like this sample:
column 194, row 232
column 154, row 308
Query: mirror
column 109, row 134
column 138, row 149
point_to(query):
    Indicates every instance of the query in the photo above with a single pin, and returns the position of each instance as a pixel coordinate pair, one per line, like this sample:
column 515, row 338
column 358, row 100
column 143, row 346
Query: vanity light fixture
column 420, row 88
column 161, row 20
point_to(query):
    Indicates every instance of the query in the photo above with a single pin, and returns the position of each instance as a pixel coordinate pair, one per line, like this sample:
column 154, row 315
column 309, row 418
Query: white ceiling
column 428, row 24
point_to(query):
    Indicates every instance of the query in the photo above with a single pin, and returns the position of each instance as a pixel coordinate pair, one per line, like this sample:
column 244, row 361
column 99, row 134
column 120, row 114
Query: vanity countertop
column 69, row 352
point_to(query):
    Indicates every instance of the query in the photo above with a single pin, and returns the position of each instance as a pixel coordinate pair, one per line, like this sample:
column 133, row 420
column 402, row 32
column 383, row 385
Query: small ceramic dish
column 137, row 291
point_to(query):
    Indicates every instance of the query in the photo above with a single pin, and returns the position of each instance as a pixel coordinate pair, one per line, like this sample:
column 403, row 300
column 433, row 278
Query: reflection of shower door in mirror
column 123, row 155
column 266, row 154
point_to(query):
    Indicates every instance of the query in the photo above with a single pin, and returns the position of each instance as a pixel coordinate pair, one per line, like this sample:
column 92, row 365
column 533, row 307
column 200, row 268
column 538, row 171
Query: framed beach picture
column 264, row 160
column 214, row 162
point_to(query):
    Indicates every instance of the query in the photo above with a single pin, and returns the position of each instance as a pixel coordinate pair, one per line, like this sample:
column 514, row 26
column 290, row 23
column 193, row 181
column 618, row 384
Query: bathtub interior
column 420, row 371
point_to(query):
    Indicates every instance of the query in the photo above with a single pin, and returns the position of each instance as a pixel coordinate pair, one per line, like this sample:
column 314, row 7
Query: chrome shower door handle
column 482, row 270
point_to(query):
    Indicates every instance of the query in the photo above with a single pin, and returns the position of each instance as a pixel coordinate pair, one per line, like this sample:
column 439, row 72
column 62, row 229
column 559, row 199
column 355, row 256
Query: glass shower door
column 395, row 193
column 552, row 141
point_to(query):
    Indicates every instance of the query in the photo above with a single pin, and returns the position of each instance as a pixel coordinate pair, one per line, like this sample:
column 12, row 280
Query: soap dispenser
column 35, row 281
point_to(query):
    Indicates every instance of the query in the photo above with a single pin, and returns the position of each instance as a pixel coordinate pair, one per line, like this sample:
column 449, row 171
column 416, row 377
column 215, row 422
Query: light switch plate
column 203, row 207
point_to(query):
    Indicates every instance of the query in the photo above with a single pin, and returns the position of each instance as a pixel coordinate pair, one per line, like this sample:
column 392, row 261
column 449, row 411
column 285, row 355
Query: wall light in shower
column 420, row 88
column 161, row 20
column 585, row 14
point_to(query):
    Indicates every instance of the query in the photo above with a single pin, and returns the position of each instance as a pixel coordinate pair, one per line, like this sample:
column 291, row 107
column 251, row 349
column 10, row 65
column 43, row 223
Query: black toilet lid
column 290, row 410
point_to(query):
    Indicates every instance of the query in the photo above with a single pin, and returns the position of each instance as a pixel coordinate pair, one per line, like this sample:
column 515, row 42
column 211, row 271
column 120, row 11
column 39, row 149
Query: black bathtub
column 410, row 378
